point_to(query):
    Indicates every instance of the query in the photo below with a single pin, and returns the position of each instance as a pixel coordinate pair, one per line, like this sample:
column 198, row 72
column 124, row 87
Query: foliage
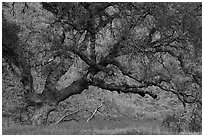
column 58, row 50
column 189, row 121
column 13, row 101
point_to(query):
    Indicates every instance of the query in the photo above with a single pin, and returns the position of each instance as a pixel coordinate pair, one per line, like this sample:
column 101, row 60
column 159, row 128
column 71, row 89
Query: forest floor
column 95, row 126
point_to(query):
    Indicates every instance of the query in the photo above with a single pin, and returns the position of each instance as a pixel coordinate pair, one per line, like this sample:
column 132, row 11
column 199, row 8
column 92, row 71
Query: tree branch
column 122, row 88
column 197, row 77
column 93, row 114
column 76, row 87
column 66, row 115
column 179, row 94
column 52, row 95
column 89, row 62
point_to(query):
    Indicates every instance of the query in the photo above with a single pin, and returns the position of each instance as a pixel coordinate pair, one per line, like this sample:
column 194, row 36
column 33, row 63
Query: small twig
column 104, row 115
column 66, row 115
column 25, row 6
column 13, row 8
column 95, row 112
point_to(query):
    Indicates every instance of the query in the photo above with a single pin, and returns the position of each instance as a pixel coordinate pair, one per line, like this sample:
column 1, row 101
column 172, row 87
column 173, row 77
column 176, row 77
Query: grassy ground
column 96, row 126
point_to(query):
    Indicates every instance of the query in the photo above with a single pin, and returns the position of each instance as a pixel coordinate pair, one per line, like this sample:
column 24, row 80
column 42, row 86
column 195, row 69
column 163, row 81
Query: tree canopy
column 124, row 47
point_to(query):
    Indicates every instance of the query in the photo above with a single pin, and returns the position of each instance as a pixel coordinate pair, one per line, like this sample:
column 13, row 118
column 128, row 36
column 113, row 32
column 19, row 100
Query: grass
column 95, row 126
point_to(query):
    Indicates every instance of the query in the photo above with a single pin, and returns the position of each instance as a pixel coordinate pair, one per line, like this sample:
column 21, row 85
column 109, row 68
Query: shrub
column 190, row 121
column 195, row 121
column 176, row 123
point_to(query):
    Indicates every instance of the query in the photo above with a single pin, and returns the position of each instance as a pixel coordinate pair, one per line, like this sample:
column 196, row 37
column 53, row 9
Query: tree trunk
column 41, row 113
column 48, row 100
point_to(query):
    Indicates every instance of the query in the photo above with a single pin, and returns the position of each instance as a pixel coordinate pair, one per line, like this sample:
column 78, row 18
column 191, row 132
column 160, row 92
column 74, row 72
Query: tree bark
column 40, row 115
column 46, row 103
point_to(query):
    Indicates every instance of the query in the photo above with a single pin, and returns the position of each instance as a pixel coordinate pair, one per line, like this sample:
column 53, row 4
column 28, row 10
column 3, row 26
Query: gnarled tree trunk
column 49, row 99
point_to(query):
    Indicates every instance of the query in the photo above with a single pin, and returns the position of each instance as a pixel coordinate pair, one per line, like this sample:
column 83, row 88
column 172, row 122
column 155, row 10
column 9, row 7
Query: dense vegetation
column 107, row 58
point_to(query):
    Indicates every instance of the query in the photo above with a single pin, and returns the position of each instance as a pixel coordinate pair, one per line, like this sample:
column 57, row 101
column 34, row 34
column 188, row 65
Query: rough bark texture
column 47, row 101
column 40, row 115
column 85, row 20
column 75, row 88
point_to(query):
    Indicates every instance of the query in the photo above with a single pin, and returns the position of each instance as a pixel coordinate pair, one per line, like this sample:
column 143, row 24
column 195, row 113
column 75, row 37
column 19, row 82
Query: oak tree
column 150, row 44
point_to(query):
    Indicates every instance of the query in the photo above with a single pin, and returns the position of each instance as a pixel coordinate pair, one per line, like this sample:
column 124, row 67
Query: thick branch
column 89, row 62
column 124, row 71
column 75, row 88
column 157, row 48
column 54, row 96
column 179, row 94
column 122, row 88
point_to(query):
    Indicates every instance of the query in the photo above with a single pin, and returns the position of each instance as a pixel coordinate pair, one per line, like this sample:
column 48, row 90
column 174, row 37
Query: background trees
column 61, row 49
